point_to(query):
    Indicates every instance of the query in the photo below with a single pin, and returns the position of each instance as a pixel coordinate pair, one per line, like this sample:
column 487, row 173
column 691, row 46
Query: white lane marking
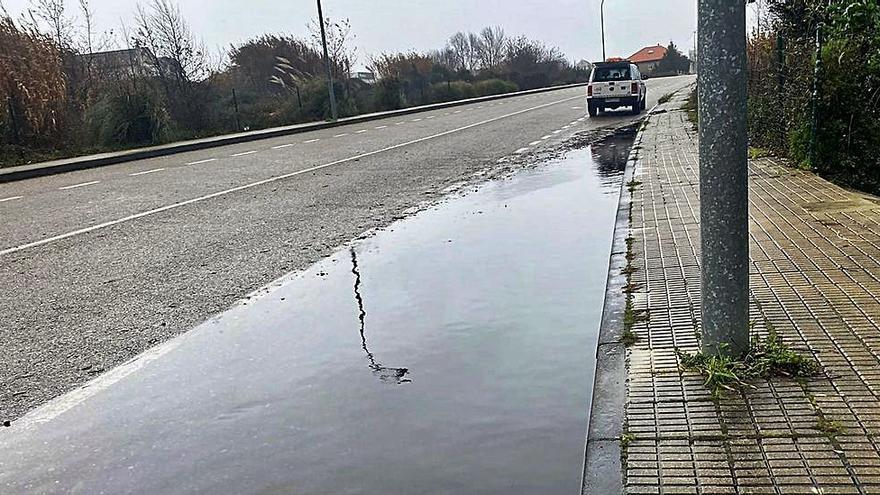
column 13, row 198
column 431, row 116
column 480, row 107
column 416, row 120
column 361, row 131
column 288, row 145
column 534, row 143
column 581, row 119
column 557, row 132
column 577, row 108
column 202, row 161
column 548, row 136
column 312, row 141
column 457, row 111
column 84, row 184
column 341, row 135
column 243, row 153
column 521, row 151
column 270, row 180
column 380, row 127
column 400, row 123
column 145, row 172
column 566, row 126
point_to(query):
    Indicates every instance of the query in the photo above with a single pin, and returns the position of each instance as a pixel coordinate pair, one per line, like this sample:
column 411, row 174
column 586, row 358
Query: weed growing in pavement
column 767, row 358
column 691, row 108
column 628, row 338
column 829, row 426
column 665, row 98
column 632, row 185
column 755, row 153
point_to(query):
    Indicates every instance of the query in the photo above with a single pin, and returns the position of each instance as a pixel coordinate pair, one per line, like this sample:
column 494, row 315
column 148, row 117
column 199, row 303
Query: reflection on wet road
column 492, row 302
column 385, row 374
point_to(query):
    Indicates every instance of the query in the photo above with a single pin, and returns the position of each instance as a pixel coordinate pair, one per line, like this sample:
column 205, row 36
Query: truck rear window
column 603, row 74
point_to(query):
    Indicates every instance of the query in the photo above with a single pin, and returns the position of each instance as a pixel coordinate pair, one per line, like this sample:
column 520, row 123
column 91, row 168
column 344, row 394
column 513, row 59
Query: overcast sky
column 398, row 25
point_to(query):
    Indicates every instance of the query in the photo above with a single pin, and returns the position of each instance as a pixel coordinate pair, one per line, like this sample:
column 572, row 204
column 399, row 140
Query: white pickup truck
column 614, row 85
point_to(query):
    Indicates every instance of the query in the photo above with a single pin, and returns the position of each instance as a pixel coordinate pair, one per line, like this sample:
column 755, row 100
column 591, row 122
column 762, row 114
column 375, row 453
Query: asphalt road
column 99, row 265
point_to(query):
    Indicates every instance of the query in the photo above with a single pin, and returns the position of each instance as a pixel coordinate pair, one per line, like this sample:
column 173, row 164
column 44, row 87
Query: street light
column 602, row 18
column 327, row 63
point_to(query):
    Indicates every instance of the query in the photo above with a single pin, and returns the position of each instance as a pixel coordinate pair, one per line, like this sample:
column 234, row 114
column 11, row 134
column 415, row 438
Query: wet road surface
column 452, row 353
column 98, row 266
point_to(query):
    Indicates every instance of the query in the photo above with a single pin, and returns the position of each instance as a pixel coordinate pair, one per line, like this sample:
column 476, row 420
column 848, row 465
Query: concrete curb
column 603, row 472
column 22, row 172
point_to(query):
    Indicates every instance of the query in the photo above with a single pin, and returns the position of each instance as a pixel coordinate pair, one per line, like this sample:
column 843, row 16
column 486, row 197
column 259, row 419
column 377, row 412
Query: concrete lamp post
column 333, row 112
column 724, row 208
column 602, row 21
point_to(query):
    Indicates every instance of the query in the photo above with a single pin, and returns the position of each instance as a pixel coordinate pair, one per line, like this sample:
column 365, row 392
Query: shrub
column 129, row 116
column 452, row 91
column 494, row 87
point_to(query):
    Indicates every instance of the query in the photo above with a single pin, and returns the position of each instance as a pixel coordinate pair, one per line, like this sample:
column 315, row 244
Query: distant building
column 365, row 76
column 647, row 58
column 132, row 62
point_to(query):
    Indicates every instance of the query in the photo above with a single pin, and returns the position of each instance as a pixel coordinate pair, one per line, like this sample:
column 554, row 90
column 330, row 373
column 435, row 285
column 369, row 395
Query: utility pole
column 327, row 63
column 724, row 190
column 602, row 20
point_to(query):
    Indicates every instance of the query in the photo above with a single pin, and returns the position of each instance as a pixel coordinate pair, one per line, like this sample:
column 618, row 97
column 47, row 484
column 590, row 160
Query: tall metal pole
column 602, row 18
column 327, row 63
column 724, row 212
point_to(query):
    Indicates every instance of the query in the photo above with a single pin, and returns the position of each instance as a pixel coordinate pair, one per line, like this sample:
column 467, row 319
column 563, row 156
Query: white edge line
column 145, row 172
column 217, row 194
column 79, row 185
column 13, row 198
column 202, row 161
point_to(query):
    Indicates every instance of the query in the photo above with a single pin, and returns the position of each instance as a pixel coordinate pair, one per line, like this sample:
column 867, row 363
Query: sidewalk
column 815, row 278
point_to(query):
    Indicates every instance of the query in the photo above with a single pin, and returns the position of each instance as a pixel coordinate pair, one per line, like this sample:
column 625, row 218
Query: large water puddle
column 452, row 353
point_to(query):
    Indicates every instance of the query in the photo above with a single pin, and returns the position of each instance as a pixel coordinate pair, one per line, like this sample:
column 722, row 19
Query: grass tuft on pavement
column 767, row 358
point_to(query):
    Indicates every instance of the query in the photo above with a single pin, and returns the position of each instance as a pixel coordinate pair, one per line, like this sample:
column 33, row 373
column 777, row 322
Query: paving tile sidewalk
column 815, row 278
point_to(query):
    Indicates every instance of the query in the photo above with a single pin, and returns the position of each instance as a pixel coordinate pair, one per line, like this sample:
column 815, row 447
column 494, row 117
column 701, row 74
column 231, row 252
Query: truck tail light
column 590, row 90
column 635, row 88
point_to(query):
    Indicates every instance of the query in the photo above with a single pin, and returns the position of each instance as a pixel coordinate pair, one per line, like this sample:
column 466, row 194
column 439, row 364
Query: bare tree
column 492, row 47
column 340, row 42
column 52, row 14
column 179, row 57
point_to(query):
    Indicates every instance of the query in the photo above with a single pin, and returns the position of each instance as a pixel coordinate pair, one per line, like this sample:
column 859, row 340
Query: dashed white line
column 84, row 184
column 288, row 145
column 145, row 172
column 566, row 126
column 416, row 120
column 521, row 151
column 270, row 180
column 557, row 132
column 400, row 123
column 380, row 127
column 431, row 116
column 243, row 153
column 202, row 161
column 312, row 141
column 341, row 135
column 548, row 136
column 534, row 143
column 361, row 131
column 457, row 111
column 13, row 198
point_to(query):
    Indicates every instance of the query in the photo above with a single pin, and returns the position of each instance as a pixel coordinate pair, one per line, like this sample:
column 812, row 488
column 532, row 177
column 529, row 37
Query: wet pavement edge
column 603, row 473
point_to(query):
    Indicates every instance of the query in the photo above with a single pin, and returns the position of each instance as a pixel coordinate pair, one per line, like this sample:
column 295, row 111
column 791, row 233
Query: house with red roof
column 648, row 57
